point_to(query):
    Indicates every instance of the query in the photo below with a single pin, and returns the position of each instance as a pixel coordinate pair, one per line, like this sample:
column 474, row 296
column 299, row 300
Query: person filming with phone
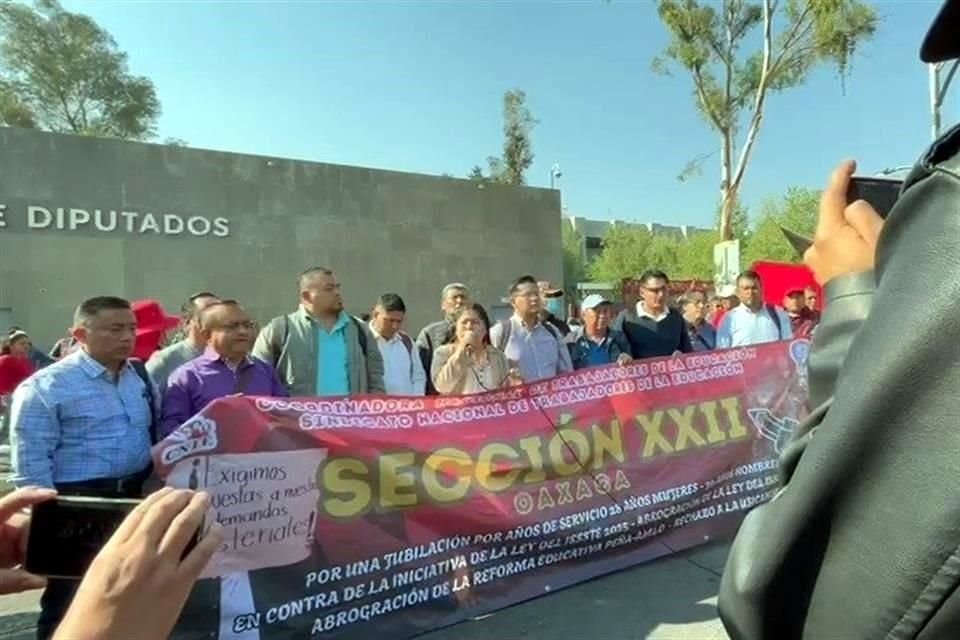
column 468, row 363
column 863, row 538
column 140, row 578
column 84, row 424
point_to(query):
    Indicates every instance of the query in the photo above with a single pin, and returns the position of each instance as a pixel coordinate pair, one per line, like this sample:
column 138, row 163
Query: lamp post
column 555, row 173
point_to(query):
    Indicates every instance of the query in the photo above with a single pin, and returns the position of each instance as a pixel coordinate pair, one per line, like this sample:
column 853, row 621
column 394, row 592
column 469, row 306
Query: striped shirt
column 71, row 422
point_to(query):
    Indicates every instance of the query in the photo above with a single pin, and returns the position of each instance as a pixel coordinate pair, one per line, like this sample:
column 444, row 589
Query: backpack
column 277, row 349
column 408, row 343
column 148, row 395
column 772, row 312
column 506, row 327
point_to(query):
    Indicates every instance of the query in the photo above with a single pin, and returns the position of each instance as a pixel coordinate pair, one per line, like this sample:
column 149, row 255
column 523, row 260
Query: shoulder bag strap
column 141, row 370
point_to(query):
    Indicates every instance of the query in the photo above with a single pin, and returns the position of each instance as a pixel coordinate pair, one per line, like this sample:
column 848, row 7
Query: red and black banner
column 386, row 517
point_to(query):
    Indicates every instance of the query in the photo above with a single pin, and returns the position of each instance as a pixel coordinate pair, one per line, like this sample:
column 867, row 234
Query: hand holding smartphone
column 879, row 193
column 67, row 533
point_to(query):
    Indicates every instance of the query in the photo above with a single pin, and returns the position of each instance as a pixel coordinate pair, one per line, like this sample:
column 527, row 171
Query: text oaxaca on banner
column 378, row 515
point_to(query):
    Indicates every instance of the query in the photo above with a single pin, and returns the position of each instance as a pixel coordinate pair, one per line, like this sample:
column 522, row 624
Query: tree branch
column 794, row 35
column 757, row 117
column 693, row 166
column 699, row 83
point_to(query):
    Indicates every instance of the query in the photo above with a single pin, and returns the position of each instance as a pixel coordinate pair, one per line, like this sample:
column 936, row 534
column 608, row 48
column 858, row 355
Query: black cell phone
column 880, row 193
column 67, row 533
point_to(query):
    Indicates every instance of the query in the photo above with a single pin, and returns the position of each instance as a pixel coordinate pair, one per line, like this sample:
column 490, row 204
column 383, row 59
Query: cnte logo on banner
column 107, row 220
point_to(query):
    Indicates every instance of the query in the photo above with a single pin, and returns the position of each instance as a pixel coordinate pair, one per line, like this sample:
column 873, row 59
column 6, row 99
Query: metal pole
column 938, row 90
column 934, row 71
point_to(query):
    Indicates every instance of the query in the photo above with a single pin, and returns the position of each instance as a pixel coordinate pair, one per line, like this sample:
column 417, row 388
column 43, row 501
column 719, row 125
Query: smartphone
column 880, row 193
column 67, row 532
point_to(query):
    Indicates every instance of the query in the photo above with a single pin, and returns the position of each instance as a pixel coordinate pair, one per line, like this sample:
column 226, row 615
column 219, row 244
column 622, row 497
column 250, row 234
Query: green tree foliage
column 13, row 113
column 797, row 211
column 518, row 125
column 62, row 72
column 628, row 251
column 624, row 254
column 695, row 257
column 713, row 42
column 574, row 264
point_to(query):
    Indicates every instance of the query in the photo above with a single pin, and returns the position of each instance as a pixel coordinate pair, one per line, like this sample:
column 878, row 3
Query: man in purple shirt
column 225, row 369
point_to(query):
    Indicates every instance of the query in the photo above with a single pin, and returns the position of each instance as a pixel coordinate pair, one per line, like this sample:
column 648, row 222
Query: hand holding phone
column 847, row 232
column 140, row 580
column 14, row 528
column 879, row 193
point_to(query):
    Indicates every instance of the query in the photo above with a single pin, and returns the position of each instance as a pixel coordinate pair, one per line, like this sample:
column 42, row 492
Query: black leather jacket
column 863, row 540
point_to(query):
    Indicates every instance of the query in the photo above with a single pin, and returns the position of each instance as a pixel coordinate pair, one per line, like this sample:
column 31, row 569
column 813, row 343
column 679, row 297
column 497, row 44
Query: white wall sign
column 107, row 220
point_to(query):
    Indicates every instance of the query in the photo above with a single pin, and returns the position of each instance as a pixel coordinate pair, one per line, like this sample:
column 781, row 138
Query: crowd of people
column 84, row 423
column 845, row 549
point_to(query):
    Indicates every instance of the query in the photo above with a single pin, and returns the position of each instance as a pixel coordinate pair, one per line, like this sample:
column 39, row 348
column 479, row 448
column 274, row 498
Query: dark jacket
column 863, row 540
column 558, row 324
column 432, row 337
column 614, row 344
column 651, row 339
column 39, row 359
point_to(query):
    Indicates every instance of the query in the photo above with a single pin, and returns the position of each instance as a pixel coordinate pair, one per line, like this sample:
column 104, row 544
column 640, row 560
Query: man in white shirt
column 752, row 321
column 403, row 373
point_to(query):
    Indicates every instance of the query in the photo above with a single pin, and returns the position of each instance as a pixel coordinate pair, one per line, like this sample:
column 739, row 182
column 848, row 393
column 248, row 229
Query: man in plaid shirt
column 83, row 425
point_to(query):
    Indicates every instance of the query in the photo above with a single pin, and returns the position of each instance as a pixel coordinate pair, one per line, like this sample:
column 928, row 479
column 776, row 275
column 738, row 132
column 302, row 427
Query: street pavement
column 672, row 598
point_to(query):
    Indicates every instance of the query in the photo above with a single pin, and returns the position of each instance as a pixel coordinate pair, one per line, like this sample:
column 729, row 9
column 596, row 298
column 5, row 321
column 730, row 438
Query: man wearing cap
column 84, row 425
column 703, row 336
column 802, row 320
column 599, row 345
column 164, row 362
column 453, row 297
column 863, row 537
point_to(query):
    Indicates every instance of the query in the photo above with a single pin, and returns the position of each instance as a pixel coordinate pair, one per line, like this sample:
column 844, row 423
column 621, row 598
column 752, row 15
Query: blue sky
column 417, row 86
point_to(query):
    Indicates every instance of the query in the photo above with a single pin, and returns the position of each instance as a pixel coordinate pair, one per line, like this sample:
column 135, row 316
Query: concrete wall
column 379, row 230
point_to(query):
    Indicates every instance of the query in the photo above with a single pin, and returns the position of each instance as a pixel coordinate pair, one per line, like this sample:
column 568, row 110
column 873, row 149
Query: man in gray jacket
column 164, row 362
column 863, row 539
column 320, row 350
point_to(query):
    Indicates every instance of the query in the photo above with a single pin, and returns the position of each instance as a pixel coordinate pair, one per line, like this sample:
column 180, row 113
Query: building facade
column 82, row 216
column 592, row 232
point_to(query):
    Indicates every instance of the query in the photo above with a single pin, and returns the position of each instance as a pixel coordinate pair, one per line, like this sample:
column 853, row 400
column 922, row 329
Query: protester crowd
column 85, row 423
column 844, row 550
